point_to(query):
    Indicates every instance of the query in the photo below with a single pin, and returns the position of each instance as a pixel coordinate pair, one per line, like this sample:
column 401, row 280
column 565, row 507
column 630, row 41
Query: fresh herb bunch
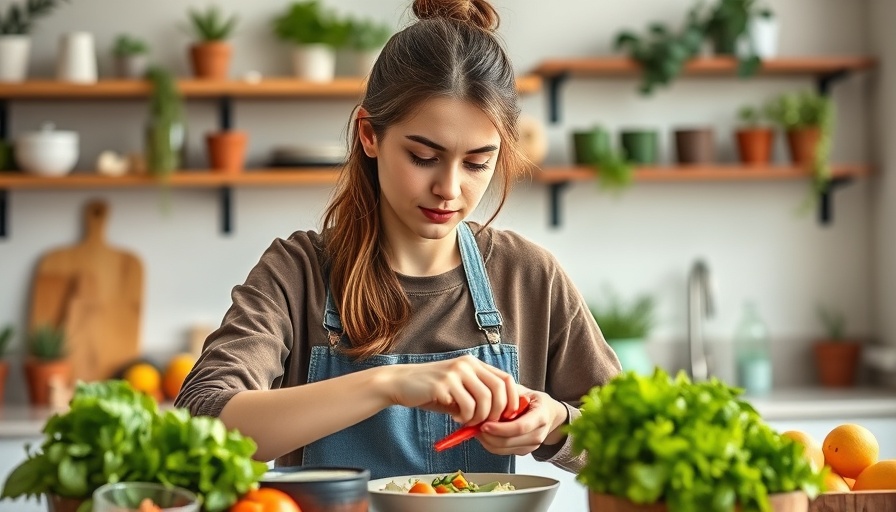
column 211, row 24
column 693, row 446
column 619, row 320
column 112, row 433
column 5, row 339
column 166, row 114
column 308, row 23
column 126, row 46
column 47, row 343
column 367, row 34
column 20, row 20
column 834, row 322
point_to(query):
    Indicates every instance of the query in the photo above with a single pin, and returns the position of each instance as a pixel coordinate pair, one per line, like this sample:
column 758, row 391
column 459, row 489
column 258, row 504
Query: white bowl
column 532, row 494
column 47, row 152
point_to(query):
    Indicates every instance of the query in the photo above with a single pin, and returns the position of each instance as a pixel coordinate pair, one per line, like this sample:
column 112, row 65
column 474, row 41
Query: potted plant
column 46, row 365
column 5, row 338
column 626, row 326
column 754, row 138
column 655, row 443
column 210, row 56
column 695, row 146
column 592, row 148
column 131, row 57
column 808, row 120
column 726, row 26
column 15, row 44
column 165, row 129
column 640, row 146
column 836, row 356
column 113, row 433
column 316, row 34
column 366, row 37
column 762, row 30
column 662, row 53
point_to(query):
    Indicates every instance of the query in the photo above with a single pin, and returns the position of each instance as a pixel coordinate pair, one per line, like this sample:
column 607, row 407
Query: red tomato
column 265, row 500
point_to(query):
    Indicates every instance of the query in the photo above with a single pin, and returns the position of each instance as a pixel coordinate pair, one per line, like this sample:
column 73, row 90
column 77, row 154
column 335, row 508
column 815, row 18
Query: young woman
column 364, row 344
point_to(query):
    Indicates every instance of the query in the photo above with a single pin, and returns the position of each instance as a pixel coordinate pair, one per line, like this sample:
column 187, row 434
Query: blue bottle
column 752, row 352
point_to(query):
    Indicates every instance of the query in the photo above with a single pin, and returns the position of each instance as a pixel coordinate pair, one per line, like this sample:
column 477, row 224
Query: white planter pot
column 364, row 60
column 76, row 61
column 14, row 52
column 314, row 62
column 763, row 34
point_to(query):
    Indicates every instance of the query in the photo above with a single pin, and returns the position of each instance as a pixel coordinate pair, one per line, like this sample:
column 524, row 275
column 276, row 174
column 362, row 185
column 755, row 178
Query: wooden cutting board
column 859, row 501
column 94, row 292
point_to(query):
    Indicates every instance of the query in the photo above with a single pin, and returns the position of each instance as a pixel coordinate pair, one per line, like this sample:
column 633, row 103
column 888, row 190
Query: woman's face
column 434, row 167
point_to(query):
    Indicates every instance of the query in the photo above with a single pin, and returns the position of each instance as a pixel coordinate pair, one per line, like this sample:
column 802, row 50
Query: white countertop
column 25, row 421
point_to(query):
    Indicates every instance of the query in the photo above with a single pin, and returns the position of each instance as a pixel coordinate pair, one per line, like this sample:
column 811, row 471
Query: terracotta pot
column 802, row 145
column 227, row 151
column 754, row 145
column 40, row 375
column 4, row 371
column 211, row 60
column 60, row 504
column 837, row 361
column 783, row 502
column 695, row 146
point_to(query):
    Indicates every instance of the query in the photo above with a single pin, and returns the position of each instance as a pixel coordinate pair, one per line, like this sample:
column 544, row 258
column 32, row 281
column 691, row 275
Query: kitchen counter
column 22, row 420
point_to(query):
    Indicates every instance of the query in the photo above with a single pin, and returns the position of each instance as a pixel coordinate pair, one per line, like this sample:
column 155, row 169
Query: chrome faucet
column 700, row 303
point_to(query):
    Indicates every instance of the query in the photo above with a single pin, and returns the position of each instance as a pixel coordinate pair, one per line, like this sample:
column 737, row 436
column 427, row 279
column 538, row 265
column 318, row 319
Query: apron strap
column 487, row 316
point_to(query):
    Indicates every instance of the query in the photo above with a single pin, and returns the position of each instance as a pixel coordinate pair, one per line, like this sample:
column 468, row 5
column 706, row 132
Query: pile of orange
column 160, row 384
column 850, row 452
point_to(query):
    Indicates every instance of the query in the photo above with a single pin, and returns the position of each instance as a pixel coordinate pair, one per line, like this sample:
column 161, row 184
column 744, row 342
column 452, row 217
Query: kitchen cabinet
column 825, row 71
column 223, row 93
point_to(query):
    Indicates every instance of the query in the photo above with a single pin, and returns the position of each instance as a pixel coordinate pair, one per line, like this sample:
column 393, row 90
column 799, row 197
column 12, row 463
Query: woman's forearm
column 282, row 420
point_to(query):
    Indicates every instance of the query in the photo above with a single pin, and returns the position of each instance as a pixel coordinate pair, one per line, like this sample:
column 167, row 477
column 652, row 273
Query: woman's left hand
column 539, row 425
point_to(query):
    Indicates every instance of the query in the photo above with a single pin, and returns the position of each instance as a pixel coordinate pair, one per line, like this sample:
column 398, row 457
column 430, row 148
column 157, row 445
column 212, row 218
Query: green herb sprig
column 47, row 343
column 693, row 446
column 211, row 24
column 126, row 46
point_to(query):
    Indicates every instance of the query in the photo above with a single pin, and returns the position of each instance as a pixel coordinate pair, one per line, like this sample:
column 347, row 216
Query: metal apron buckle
column 333, row 338
column 493, row 335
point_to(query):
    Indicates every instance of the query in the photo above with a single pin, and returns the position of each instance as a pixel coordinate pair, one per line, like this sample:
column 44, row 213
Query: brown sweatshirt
column 276, row 317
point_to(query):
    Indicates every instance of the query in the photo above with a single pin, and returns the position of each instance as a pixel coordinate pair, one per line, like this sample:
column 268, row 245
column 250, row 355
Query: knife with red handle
column 466, row 433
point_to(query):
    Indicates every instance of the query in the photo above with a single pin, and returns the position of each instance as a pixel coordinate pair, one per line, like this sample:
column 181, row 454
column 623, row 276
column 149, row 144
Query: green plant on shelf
column 614, row 172
column 165, row 130
column 367, row 34
column 833, row 321
column 619, row 320
column 19, row 20
column 751, row 116
column 662, row 53
column 308, row 23
column 726, row 26
column 127, row 46
column 6, row 335
column 47, row 343
column 211, row 24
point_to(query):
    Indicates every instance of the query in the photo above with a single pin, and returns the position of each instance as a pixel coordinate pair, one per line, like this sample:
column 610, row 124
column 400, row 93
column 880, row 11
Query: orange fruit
column 849, row 449
column 421, row 488
column 265, row 499
column 144, row 377
column 175, row 374
column 880, row 476
column 811, row 447
column 835, row 483
column 851, row 482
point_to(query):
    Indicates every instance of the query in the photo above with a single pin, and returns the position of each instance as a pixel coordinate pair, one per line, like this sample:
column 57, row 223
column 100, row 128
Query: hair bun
column 476, row 12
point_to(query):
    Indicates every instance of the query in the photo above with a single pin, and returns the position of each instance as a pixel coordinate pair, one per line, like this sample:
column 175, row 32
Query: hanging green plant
column 19, row 20
column 165, row 130
column 662, row 53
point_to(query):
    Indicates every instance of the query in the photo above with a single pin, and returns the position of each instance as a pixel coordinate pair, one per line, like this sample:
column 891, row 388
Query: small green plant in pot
column 625, row 326
column 754, row 136
column 678, row 445
column 211, row 54
column 16, row 25
column 592, row 148
column 46, row 365
column 836, row 356
column 726, row 26
column 165, row 130
column 662, row 52
column 366, row 37
column 131, row 57
column 316, row 33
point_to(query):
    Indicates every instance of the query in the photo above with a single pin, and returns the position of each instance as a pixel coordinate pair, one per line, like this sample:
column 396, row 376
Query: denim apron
column 399, row 440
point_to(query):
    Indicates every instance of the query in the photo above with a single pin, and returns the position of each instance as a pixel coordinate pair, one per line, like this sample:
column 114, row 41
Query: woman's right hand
column 465, row 387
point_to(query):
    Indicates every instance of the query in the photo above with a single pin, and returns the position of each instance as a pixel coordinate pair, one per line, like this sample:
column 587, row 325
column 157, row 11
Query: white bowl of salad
column 467, row 492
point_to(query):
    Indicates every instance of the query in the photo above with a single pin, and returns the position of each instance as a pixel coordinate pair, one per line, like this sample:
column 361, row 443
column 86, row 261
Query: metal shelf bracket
column 555, row 191
column 226, row 198
column 554, row 84
column 826, row 204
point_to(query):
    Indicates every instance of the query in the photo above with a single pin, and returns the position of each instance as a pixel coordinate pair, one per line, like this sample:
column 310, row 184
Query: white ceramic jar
column 47, row 152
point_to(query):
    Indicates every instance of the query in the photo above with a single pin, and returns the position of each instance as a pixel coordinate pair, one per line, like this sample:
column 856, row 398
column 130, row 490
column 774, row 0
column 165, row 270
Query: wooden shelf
column 192, row 88
column 720, row 66
column 693, row 173
column 183, row 179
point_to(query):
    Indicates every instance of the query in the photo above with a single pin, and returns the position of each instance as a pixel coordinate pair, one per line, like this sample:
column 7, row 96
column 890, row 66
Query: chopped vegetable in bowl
column 449, row 484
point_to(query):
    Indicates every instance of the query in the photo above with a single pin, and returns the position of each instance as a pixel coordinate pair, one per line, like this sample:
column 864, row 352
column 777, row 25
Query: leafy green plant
column 112, row 433
column 126, row 46
column 807, row 109
column 165, row 130
column 367, row 34
column 751, row 116
column 833, row 321
column 308, row 23
column 693, row 446
column 19, row 20
column 47, row 343
column 5, row 338
column 619, row 320
column 726, row 25
column 211, row 24
column 614, row 171
column 662, row 53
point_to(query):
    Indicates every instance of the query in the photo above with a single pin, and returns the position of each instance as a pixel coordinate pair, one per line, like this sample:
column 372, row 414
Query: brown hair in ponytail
column 451, row 51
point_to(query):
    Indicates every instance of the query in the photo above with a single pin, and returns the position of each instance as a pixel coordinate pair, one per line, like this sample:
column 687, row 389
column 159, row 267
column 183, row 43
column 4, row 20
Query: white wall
column 645, row 240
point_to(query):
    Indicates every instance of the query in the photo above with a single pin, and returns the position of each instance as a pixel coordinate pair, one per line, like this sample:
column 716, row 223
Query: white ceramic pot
column 47, row 152
column 314, row 62
column 763, row 35
column 14, row 52
column 76, row 61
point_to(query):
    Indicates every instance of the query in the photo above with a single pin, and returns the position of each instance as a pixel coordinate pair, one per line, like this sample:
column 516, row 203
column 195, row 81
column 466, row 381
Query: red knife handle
column 466, row 433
